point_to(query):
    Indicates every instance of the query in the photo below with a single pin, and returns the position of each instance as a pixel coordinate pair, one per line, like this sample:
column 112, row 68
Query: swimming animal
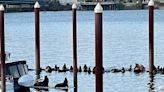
column 48, row 69
column 85, row 68
column 79, row 70
column 89, row 70
column 56, row 68
column 139, row 68
column 63, row 85
column 71, row 69
column 43, row 83
column 65, row 67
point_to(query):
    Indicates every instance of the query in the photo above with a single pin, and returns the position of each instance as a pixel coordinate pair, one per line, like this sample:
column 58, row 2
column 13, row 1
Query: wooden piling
column 151, row 36
column 74, row 7
column 99, row 47
column 74, row 38
column 2, row 50
column 37, row 38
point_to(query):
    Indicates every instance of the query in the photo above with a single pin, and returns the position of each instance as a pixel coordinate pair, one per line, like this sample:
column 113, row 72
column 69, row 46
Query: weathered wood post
column 99, row 47
column 37, row 38
column 2, row 49
column 151, row 36
column 74, row 7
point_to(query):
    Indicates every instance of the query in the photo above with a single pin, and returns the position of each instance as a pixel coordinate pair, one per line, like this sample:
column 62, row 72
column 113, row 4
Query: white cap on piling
column 2, row 8
column 74, row 6
column 151, row 3
column 36, row 5
column 98, row 8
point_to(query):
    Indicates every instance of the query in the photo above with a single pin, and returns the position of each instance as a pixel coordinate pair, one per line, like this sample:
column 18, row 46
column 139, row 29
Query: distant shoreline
column 83, row 8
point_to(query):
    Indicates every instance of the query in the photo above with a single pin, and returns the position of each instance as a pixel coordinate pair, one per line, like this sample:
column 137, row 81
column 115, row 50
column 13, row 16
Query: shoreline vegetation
column 88, row 5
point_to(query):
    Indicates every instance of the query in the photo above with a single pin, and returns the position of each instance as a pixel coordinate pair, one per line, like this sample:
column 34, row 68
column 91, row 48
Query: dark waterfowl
column 48, row 69
column 79, row 70
column 63, row 85
column 43, row 83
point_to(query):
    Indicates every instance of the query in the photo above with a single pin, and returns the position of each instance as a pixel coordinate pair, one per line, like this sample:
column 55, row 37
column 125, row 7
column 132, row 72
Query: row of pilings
column 98, row 43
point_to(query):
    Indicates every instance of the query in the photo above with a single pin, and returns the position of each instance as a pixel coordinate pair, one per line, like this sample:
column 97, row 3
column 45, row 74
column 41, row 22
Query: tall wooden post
column 37, row 38
column 74, row 38
column 2, row 49
column 74, row 7
column 99, row 47
column 151, row 36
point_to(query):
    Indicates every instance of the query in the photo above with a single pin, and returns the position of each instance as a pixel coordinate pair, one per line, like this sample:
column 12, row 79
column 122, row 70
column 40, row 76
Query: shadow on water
column 151, row 83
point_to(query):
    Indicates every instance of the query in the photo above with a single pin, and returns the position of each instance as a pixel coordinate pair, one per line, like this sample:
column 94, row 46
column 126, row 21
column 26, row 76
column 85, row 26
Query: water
column 125, row 42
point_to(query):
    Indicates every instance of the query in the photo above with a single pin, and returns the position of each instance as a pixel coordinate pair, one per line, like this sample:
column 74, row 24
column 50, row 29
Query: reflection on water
column 75, row 82
column 125, row 42
column 151, row 82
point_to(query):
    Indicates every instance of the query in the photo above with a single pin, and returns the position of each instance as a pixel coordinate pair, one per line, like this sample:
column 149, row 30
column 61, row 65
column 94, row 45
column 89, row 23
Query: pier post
column 2, row 49
column 151, row 36
column 74, row 7
column 37, row 38
column 99, row 47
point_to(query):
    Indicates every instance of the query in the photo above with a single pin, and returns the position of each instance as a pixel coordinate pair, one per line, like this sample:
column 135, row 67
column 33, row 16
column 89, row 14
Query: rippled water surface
column 125, row 42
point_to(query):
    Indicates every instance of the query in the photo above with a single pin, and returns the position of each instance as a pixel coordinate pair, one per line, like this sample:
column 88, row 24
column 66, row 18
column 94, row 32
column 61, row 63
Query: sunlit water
column 125, row 42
